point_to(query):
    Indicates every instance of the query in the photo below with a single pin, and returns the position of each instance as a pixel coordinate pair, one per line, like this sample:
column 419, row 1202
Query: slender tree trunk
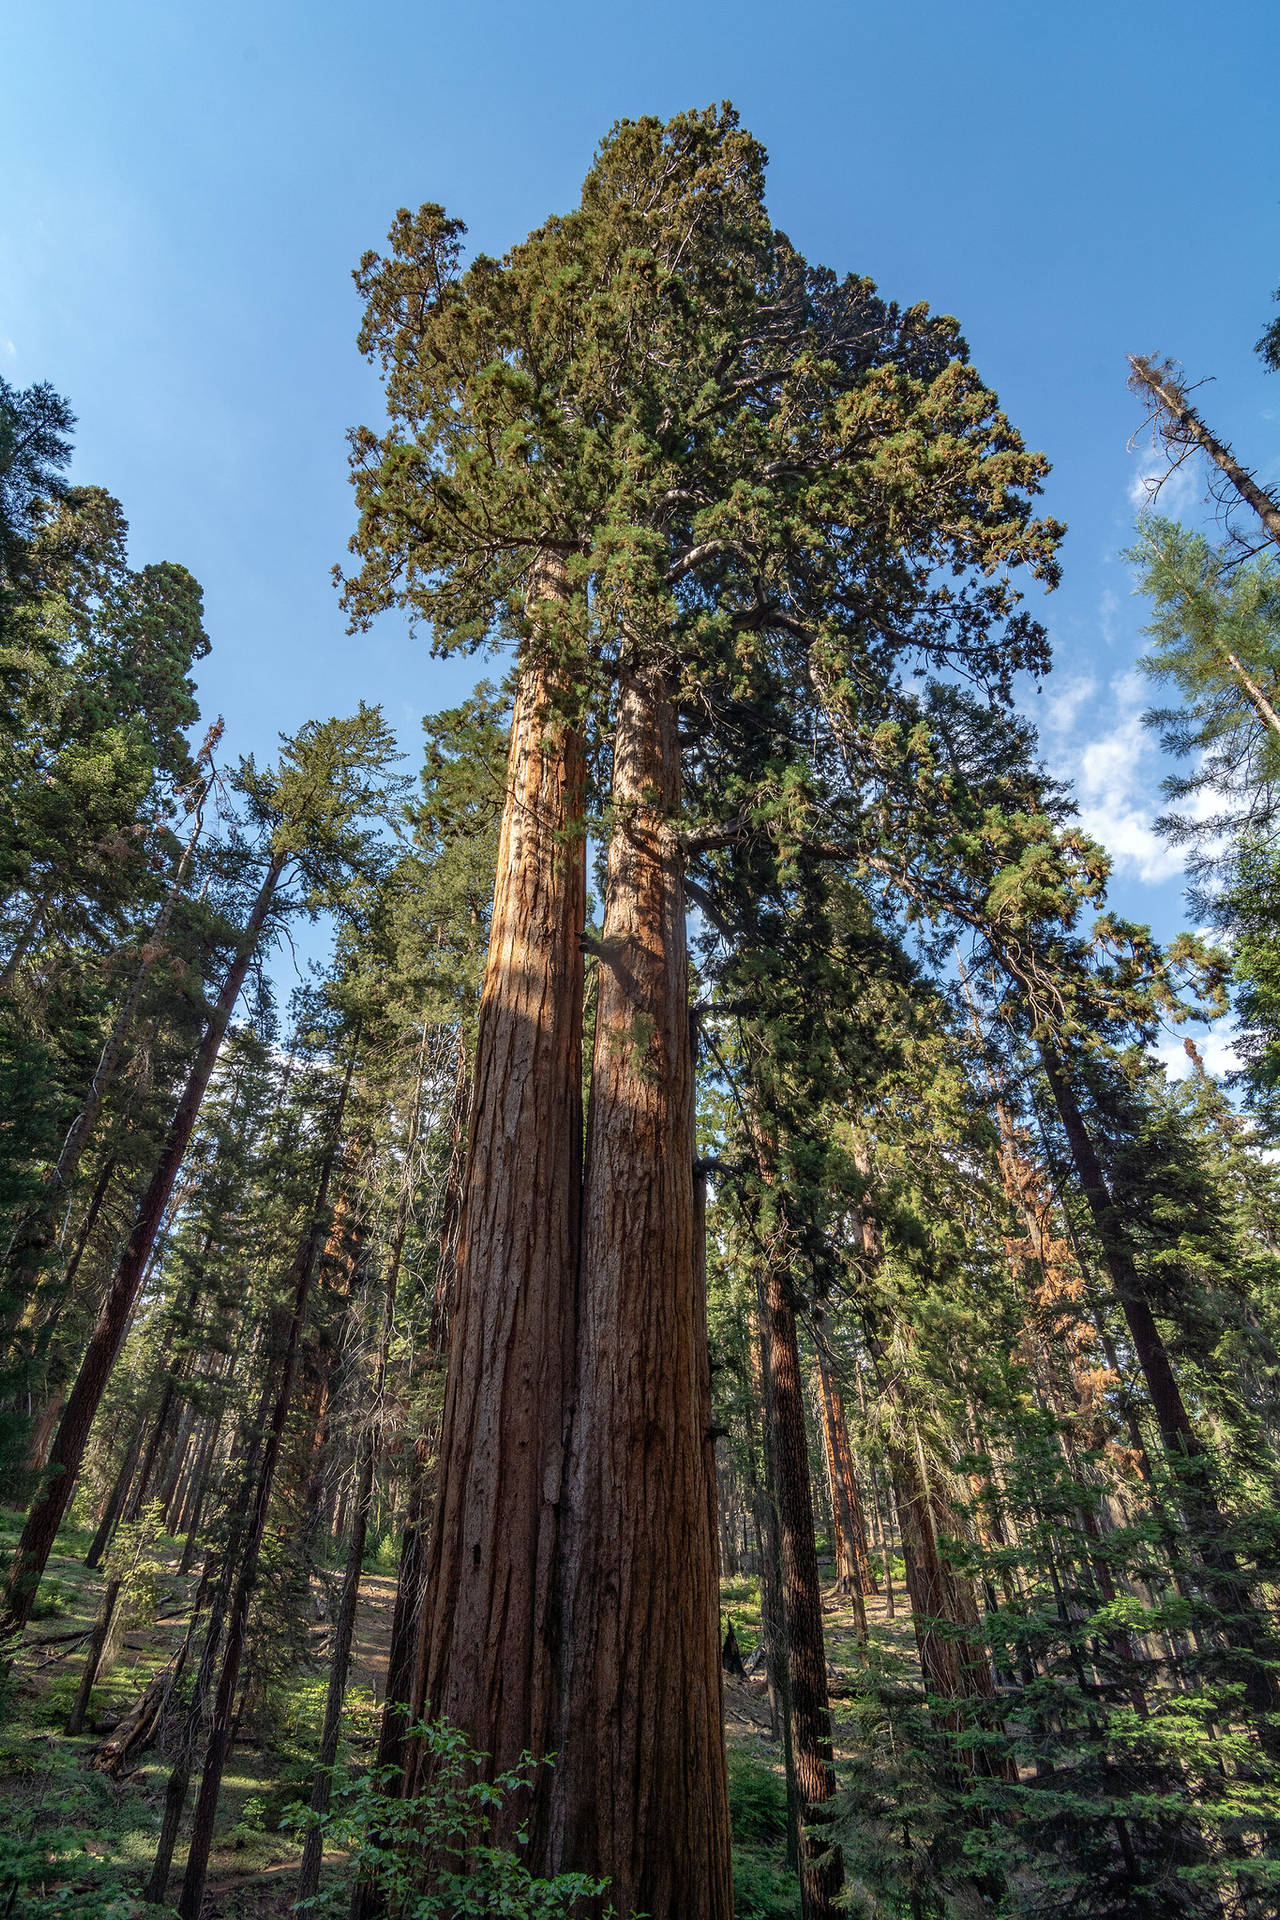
column 640, row 1790
column 1190, row 430
column 339, row 1666
column 773, row 1615
column 846, row 1503
column 90, row 1221
column 199, row 1493
column 882, row 1531
column 119, row 1494
column 26, row 936
column 175, row 1796
column 487, row 1633
column 404, row 1697
column 38, row 1231
column 46, row 1514
column 344, row 1625
column 821, row 1879
column 305, row 1262
column 1243, row 1625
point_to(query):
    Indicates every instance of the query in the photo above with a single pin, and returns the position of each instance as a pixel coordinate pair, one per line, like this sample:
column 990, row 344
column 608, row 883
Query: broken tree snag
column 640, row 1789
column 486, row 1655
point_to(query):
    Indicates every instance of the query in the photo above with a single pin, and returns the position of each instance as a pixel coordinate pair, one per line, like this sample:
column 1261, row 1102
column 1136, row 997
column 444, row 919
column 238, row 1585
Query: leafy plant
column 388, row 1840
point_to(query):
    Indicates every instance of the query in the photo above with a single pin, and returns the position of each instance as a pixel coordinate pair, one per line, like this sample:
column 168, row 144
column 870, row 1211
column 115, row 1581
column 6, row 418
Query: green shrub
column 386, row 1838
column 55, row 1598
column 763, row 1890
column 764, row 1887
column 757, row 1799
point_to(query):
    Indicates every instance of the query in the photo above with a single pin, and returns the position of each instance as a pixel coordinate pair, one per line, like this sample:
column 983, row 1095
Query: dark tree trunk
column 40, row 1227
column 305, row 1262
column 640, row 1791
column 487, row 1640
column 1242, row 1624
column 344, row 1625
column 45, row 1517
column 339, row 1665
column 773, row 1618
column 119, row 1494
column 821, row 1879
column 853, row 1563
column 403, row 1700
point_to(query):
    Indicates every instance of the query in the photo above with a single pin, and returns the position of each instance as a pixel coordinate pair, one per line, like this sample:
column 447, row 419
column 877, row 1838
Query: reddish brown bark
column 486, row 1631
column 105, row 1342
column 640, row 1788
column 955, row 1665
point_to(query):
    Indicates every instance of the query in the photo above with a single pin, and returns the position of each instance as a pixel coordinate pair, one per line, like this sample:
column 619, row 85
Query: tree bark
column 1190, row 430
column 1243, row 1625
column 640, row 1791
column 487, row 1642
column 846, row 1504
column 305, row 1262
column 45, row 1517
column 344, row 1624
column 821, row 1879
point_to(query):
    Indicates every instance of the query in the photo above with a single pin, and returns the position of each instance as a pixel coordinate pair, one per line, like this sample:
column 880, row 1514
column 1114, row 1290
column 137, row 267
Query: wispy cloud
column 7, row 348
column 1059, row 708
column 1217, row 1049
column 1115, row 775
column 1152, row 480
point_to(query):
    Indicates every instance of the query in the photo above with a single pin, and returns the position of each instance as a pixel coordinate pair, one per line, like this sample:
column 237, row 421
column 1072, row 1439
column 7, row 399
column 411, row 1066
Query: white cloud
column 1060, row 709
column 7, row 348
column 1154, row 480
column 1114, row 776
column 1217, row 1049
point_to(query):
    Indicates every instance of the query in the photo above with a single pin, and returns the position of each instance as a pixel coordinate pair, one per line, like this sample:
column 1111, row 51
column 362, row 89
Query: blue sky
column 186, row 190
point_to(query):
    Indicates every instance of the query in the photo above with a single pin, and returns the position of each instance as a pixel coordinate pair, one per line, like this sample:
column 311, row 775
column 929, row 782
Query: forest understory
column 93, row 1808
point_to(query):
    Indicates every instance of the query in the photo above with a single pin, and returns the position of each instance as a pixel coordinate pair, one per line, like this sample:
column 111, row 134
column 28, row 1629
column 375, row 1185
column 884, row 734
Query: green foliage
column 387, row 1838
column 59, row 1830
column 1268, row 346
column 764, row 1887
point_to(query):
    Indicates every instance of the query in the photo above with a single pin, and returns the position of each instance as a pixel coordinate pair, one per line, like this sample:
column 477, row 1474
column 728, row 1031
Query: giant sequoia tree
column 696, row 469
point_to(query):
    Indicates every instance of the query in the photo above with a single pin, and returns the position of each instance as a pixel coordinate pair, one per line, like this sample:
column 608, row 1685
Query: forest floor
column 67, row 1828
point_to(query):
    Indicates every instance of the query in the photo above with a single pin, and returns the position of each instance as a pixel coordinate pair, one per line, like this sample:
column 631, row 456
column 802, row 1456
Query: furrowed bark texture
column 486, row 1632
column 640, row 1789
column 107, row 1338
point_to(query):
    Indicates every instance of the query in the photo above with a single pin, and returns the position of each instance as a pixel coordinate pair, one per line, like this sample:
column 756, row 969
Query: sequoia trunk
column 487, row 1654
column 640, row 1790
